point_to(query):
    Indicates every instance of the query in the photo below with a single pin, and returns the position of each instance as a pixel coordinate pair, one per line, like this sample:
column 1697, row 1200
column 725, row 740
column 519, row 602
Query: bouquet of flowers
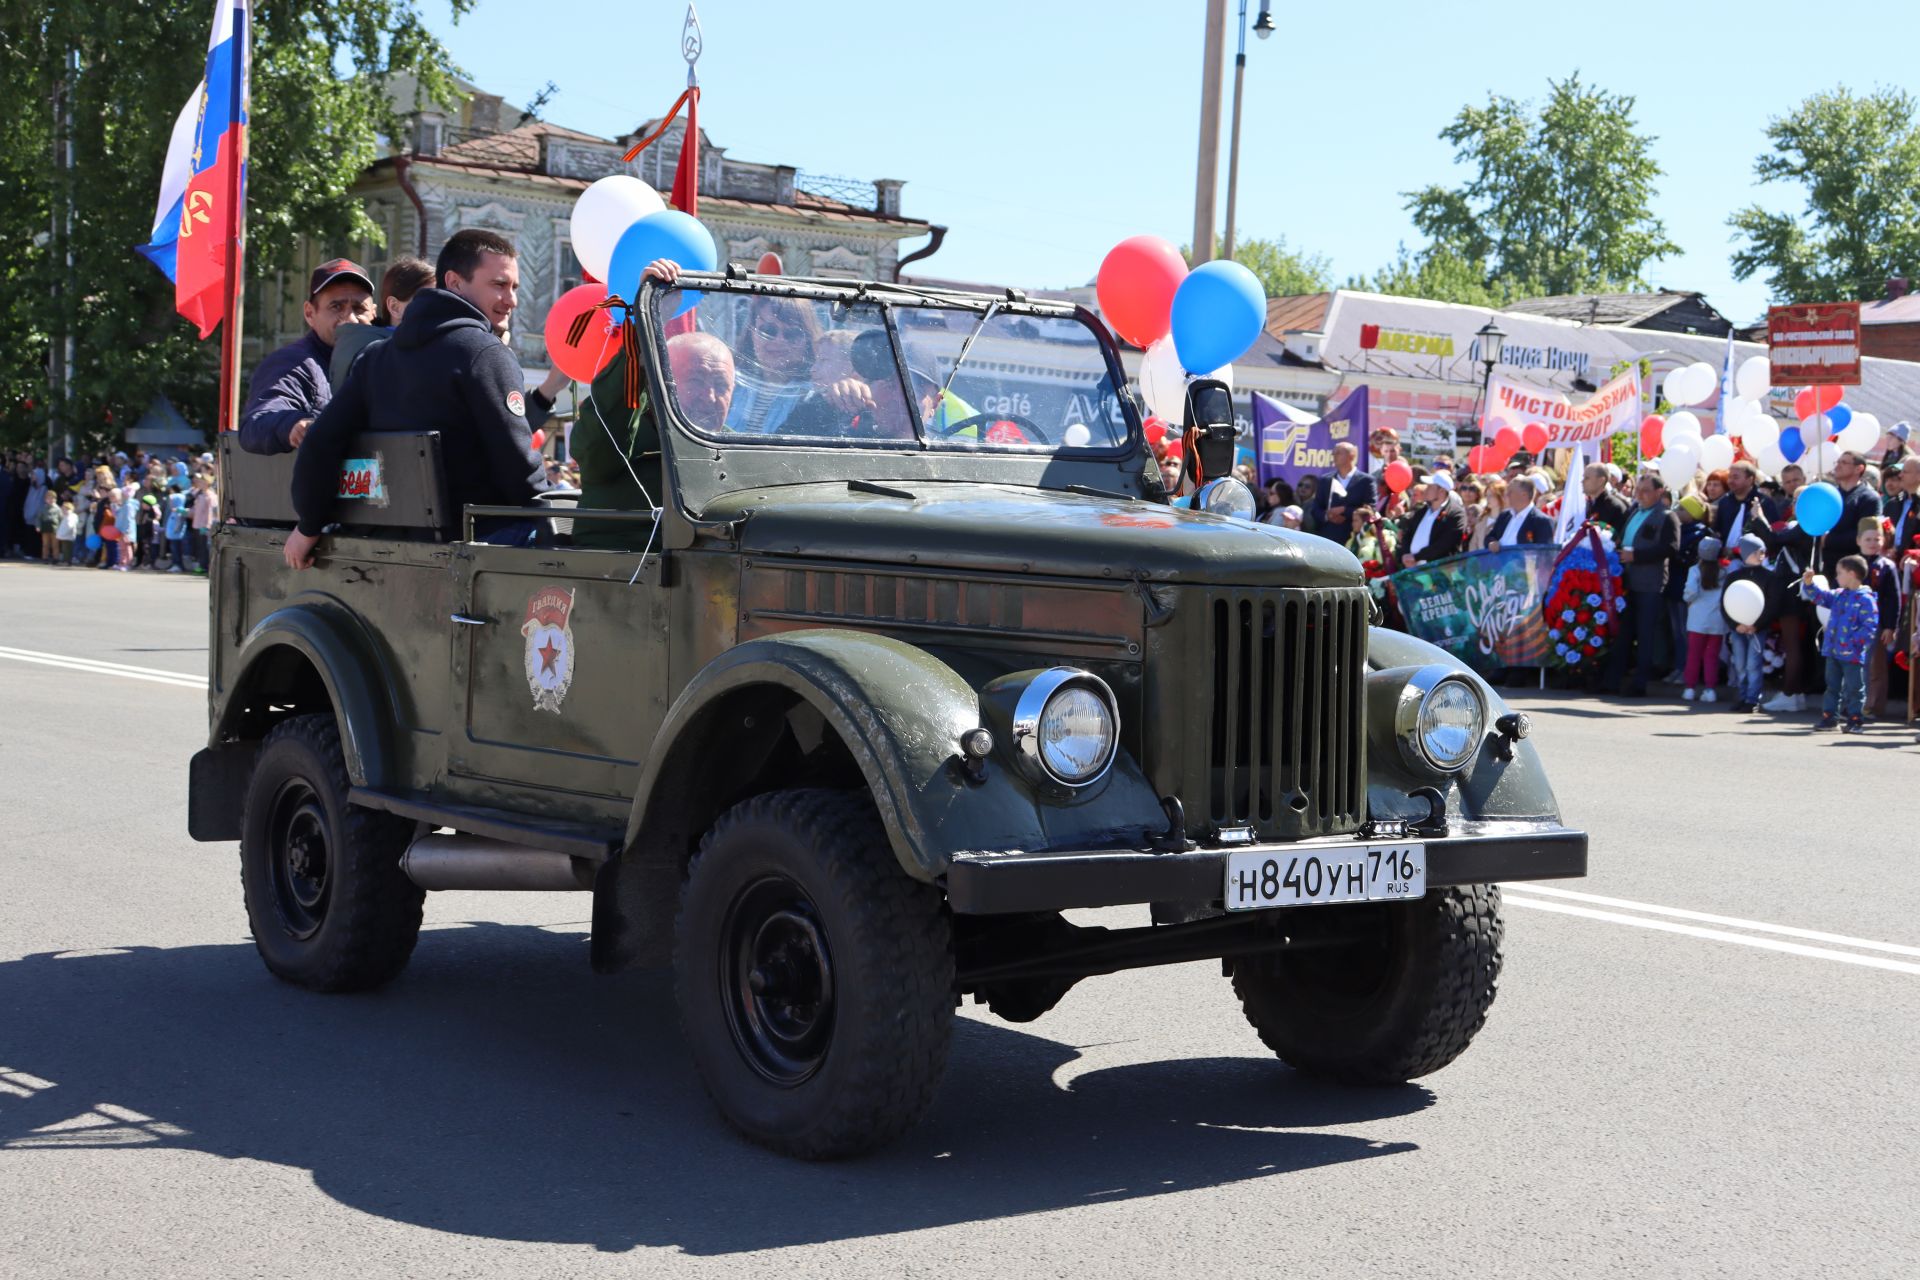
column 1585, row 598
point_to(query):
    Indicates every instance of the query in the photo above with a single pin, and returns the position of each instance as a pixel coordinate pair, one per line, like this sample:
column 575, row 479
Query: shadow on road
column 500, row 1090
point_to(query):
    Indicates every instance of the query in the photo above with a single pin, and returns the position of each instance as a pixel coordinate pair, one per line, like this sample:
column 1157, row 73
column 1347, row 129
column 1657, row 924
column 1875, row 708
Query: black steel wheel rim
column 301, row 855
column 777, row 981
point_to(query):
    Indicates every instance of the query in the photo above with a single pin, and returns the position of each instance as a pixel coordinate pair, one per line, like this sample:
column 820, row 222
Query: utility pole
column 1233, row 144
column 60, row 350
column 1206, row 179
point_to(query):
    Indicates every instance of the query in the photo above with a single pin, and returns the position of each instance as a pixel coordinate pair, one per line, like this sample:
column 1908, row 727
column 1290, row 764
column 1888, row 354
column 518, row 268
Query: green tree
column 1559, row 201
column 1439, row 274
column 1284, row 271
column 319, row 114
column 1858, row 161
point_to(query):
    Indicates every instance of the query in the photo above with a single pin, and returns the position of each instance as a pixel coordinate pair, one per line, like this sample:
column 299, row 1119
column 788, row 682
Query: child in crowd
column 147, row 521
column 1853, row 624
column 1747, row 642
column 1706, row 625
column 176, row 529
column 48, row 517
column 1883, row 579
column 67, row 532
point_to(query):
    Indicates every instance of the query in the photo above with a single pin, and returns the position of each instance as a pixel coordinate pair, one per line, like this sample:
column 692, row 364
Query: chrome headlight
column 1225, row 497
column 1439, row 718
column 1066, row 727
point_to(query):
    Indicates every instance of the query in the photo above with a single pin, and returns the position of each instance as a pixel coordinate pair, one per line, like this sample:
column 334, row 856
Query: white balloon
column 1674, row 387
column 1820, row 581
column 1815, row 428
column 1077, row 436
column 602, row 215
column 1683, row 424
column 1818, row 459
column 1163, row 382
column 1760, row 432
column 1754, row 378
column 1677, row 468
column 1716, row 453
column 1858, row 436
column 1744, row 601
column 1767, row 456
column 1735, row 414
column 1704, row 380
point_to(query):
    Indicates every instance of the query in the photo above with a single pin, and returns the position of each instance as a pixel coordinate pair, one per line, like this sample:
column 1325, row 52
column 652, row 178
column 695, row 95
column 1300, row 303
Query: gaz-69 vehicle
column 882, row 650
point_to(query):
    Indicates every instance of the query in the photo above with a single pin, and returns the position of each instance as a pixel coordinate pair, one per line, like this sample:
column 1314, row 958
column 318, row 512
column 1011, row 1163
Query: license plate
column 1258, row 878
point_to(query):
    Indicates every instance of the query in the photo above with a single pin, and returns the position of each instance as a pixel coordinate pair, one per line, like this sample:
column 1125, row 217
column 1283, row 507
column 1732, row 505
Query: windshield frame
column 887, row 297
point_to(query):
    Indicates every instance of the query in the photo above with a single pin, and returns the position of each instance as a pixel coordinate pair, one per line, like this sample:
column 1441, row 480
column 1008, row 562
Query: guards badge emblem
column 549, row 653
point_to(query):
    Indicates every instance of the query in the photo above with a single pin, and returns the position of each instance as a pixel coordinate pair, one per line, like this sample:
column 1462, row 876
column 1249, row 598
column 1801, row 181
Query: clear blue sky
column 1043, row 131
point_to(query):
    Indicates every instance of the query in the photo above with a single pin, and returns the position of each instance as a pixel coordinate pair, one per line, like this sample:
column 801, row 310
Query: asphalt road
column 1654, row 1094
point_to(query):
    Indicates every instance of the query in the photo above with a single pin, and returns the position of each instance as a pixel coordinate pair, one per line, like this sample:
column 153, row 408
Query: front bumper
column 1470, row 853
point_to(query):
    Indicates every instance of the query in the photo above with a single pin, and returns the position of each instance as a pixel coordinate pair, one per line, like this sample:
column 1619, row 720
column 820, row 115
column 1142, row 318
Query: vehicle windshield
column 755, row 368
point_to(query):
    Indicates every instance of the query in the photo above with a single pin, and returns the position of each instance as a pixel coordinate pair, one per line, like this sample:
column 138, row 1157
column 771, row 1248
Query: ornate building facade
column 464, row 169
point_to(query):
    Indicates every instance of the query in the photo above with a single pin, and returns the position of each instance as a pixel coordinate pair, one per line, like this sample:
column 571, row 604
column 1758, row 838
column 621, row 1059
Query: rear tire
column 814, row 977
column 331, row 909
column 1402, row 1003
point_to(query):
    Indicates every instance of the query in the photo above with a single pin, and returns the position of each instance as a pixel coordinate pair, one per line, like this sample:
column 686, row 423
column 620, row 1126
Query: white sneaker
column 1709, row 696
column 1785, row 702
column 1688, row 694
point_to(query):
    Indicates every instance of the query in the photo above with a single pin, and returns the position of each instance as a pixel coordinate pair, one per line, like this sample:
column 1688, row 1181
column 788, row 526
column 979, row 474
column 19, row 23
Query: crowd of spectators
column 1678, row 550
column 121, row 511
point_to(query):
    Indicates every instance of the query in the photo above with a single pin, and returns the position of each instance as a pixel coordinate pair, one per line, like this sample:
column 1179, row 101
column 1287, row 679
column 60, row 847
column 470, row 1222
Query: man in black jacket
column 1521, row 525
column 1646, row 547
column 1858, row 502
column 290, row 388
column 1341, row 494
column 1439, row 529
column 445, row 369
column 1604, row 506
column 1742, row 509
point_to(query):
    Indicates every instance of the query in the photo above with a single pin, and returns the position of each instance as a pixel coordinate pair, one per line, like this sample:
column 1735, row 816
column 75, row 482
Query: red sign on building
column 1814, row 344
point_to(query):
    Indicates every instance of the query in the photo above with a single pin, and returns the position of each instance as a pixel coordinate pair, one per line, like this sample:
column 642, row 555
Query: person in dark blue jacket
column 291, row 387
column 1521, row 525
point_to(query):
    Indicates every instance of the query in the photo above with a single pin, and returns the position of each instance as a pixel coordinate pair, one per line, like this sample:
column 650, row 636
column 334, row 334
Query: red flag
column 686, row 188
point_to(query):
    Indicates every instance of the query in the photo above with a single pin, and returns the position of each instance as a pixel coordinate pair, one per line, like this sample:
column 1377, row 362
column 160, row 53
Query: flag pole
column 236, row 234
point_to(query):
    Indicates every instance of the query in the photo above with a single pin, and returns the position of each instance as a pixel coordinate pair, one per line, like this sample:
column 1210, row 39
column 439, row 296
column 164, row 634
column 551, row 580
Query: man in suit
column 1604, row 506
column 1439, row 529
column 1903, row 511
column 1340, row 494
column 1742, row 509
column 1520, row 525
column 1646, row 548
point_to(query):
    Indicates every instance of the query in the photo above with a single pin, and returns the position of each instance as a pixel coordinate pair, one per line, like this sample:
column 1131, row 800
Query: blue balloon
column 1817, row 508
column 668, row 234
column 1791, row 445
column 93, row 542
column 1218, row 311
column 1837, row 419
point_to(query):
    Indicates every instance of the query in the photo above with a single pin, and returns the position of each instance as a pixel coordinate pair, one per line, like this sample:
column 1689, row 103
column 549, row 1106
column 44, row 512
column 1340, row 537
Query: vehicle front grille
column 1285, row 734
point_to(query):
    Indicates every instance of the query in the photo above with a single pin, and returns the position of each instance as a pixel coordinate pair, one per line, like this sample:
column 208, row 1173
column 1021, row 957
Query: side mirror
column 1210, row 422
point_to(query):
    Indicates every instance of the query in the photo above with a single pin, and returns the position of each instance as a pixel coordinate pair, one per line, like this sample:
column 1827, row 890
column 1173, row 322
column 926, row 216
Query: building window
column 567, row 271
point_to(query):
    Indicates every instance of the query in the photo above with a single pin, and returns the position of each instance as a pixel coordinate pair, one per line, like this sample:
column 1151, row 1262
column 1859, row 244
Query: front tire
column 331, row 909
column 814, row 977
column 1402, row 1001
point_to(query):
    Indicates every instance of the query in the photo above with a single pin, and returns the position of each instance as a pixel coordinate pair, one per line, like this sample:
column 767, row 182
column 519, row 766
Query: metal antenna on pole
column 690, row 44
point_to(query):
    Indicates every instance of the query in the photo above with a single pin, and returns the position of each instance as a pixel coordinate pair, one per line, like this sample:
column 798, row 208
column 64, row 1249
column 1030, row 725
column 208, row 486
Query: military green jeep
column 893, row 653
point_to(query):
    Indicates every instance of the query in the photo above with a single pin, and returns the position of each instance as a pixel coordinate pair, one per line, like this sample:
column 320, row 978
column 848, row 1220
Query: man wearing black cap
column 290, row 387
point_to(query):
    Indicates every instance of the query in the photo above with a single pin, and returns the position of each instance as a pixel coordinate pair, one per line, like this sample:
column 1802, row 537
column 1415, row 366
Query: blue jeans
column 1747, row 665
column 1846, row 688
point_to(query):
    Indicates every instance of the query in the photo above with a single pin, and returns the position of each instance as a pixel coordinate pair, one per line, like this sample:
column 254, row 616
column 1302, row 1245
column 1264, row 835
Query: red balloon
column 539, row 439
column 770, row 264
column 1156, row 430
column 1816, row 400
column 1136, row 285
column 1506, row 443
column 1480, row 459
column 1652, row 432
column 1398, row 476
column 1535, row 437
column 598, row 343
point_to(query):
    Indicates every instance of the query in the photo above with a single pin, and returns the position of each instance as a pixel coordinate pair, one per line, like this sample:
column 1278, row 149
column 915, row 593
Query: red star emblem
column 547, row 654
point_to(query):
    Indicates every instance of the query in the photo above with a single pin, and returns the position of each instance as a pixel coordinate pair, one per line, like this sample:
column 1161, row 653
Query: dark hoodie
column 443, row 370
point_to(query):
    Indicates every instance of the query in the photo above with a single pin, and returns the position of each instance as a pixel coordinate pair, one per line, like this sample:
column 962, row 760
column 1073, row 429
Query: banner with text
column 1815, row 343
column 1289, row 449
column 1615, row 407
column 1486, row 608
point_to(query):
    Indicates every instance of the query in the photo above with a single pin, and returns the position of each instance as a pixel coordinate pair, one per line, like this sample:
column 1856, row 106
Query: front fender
column 1490, row 787
column 900, row 711
column 346, row 665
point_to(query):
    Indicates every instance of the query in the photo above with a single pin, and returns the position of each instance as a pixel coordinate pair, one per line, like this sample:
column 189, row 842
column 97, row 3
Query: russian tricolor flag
column 203, row 189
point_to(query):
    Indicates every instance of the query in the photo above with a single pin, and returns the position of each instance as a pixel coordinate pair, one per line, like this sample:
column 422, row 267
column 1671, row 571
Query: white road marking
column 1715, row 935
column 1680, row 913
column 179, row 679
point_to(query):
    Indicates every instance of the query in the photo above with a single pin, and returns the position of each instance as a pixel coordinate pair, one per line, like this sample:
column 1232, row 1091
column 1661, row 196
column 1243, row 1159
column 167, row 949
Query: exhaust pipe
column 460, row 861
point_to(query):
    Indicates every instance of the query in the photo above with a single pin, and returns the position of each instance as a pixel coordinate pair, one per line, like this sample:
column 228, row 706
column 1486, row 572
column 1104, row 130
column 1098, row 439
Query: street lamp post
column 1492, row 339
column 1262, row 27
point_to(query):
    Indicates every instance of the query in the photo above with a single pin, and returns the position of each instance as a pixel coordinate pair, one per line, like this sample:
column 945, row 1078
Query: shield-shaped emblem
column 549, row 652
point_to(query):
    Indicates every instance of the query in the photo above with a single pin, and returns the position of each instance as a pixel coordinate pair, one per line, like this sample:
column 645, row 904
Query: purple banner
column 1289, row 449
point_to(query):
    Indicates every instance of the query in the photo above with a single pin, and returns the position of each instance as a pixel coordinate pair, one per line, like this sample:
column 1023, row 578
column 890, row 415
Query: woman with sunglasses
column 773, row 364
